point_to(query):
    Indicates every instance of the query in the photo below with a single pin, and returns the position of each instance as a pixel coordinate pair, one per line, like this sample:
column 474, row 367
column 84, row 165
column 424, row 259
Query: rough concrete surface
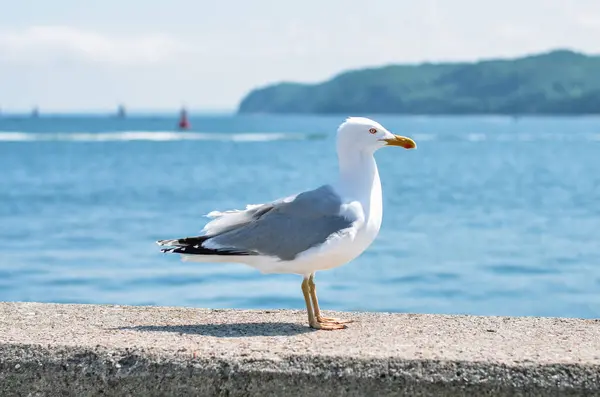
column 90, row 350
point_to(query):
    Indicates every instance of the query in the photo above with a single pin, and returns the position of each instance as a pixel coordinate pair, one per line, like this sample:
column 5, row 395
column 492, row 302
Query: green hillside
column 558, row 82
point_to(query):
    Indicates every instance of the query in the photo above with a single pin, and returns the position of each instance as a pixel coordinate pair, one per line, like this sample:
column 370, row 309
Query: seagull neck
column 358, row 173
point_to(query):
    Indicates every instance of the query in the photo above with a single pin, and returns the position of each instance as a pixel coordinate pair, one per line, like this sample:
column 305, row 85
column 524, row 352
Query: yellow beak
column 402, row 141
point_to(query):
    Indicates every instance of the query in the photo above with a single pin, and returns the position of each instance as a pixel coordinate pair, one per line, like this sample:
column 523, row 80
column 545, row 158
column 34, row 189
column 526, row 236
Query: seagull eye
column 372, row 130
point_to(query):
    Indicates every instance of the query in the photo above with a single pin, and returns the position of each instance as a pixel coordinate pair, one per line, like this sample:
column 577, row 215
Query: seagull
column 314, row 230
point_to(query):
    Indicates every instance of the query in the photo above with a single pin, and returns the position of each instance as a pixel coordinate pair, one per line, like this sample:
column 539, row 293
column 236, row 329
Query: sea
column 491, row 215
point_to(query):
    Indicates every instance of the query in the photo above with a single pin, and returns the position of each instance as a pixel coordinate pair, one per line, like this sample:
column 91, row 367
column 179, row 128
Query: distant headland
column 556, row 82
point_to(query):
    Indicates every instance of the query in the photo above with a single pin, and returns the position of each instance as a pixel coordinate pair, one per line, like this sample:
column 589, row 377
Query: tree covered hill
column 557, row 82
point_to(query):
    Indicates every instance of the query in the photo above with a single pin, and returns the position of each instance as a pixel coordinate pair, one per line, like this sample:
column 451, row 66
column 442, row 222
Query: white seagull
column 315, row 230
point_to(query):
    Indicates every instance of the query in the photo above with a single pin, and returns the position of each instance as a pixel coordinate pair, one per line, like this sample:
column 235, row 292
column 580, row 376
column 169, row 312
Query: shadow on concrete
column 228, row 330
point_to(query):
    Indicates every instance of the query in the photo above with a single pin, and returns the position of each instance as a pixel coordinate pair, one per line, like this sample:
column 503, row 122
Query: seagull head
column 361, row 133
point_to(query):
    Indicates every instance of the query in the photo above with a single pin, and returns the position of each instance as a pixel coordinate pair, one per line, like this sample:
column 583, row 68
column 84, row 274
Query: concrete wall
column 90, row 350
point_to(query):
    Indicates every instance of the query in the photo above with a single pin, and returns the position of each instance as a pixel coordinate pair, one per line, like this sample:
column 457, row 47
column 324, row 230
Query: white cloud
column 39, row 44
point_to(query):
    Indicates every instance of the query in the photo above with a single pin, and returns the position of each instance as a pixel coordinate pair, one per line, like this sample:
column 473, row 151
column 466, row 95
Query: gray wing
column 287, row 227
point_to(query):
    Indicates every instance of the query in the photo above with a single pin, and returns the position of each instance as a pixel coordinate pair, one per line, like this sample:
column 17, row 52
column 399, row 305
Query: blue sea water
column 491, row 215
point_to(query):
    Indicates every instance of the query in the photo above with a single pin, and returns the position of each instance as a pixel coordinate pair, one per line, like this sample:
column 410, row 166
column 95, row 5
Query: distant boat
column 35, row 112
column 121, row 113
column 184, row 123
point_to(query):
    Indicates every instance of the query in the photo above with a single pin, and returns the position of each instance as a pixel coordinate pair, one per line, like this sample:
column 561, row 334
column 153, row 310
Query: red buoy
column 184, row 123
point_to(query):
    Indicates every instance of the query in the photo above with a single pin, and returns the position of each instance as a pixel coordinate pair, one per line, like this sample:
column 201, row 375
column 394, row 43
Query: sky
column 73, row 55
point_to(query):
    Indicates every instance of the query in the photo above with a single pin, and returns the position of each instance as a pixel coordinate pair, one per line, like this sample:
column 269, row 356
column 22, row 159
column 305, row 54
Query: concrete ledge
column 85, row 350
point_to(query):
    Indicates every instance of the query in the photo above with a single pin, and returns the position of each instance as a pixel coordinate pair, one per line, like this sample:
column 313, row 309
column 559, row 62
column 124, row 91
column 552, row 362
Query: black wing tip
column 196, row 240
column 193, row 246
column 199, row 250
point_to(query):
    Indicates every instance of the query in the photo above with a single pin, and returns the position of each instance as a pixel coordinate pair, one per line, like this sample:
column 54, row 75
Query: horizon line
column 111, row 111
